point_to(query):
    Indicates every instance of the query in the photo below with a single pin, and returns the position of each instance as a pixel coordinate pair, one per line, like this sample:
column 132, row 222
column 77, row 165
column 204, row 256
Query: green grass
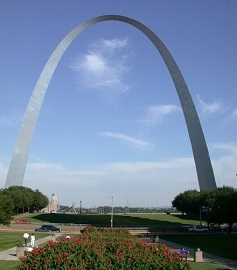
column 11, row 239
column 118, row 220
column 9, row 265
column 206, row 266
column 12, row 265
column 221, row 245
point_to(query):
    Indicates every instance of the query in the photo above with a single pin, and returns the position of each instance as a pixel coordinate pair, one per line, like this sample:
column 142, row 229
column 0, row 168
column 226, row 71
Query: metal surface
column 201, row 156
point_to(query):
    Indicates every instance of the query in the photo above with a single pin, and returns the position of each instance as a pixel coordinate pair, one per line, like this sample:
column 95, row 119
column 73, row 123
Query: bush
column 103, row 249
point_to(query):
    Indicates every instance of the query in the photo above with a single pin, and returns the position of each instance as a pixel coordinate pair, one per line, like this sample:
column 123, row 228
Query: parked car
column 198, row 229
column 52, row 228
column 23, row 222
column 42, row 230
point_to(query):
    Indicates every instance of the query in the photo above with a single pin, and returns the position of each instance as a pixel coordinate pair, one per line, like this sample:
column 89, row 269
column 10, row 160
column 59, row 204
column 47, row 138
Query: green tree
column 16, row 196
column 25, row 199
column 217, row 206
column 6, row 208
column 187, row 202
column 40, row 201
column 223, row 205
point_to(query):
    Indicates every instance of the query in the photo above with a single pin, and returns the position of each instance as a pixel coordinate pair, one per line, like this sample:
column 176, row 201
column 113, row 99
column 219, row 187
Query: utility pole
column 112, row 212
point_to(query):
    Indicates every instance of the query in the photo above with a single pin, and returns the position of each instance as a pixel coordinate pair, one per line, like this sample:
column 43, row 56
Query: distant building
column 52, row 207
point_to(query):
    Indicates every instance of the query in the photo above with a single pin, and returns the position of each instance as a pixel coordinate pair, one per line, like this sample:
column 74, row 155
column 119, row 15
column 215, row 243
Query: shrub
column 103, row 249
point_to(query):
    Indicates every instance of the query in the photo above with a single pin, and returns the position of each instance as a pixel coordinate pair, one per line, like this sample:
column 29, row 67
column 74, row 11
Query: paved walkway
column 226, row 263
column 10, row 254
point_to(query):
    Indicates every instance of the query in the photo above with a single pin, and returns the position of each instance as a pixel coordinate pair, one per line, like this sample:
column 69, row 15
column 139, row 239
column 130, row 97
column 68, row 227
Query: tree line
column 216, row 206
column 19, row 199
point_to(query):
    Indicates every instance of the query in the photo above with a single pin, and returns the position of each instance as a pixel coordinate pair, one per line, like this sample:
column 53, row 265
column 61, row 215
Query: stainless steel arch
column 201, row 156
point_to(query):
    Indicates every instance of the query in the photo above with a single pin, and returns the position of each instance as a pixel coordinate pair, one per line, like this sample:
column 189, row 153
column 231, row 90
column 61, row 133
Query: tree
column 6, row 208
column 25, row 199
column 220, row 205
column 40, row 201
column 223, row 205
column 187, row 202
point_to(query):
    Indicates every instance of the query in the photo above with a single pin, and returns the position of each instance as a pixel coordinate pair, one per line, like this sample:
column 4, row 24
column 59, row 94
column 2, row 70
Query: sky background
column 111, row 124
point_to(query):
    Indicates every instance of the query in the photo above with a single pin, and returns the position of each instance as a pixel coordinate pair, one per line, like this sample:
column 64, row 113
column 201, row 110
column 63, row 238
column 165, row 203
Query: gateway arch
column 202, row 160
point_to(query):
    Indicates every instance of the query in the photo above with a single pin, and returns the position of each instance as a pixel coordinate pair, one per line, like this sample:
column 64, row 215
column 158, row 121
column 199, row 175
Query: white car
column 198, row 229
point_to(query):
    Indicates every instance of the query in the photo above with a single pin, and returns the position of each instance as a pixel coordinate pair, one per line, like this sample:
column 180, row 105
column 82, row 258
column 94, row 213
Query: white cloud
column 157, row 112
column 208, row 107
column 104, row 67
column 11, row 120
column 234, row 114
column 141, row 183
column 225, row 165
column 125, row 138
column 229, row 147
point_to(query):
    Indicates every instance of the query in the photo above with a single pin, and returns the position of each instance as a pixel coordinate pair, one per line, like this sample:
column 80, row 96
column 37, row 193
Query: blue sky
column 111, row 124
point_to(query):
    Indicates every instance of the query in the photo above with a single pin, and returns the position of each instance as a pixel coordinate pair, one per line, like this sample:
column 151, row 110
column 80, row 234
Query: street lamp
column 80, row 211
column 112, row 212
column 203, row 209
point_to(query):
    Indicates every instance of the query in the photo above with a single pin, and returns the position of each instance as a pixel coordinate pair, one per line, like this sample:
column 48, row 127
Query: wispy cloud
column 229, row 147
column 208, row 107
column 104, row 67
column 10, row 120
column 156, row 113
column 137, row 181
column 234, row 114
column 127, row 139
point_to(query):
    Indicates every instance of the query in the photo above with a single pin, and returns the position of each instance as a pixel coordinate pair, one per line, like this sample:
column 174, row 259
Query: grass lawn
column 12, row 265
column 11, row 239
column 206, row 266
column 221, row 245
column 118, row 220
column 9, row 265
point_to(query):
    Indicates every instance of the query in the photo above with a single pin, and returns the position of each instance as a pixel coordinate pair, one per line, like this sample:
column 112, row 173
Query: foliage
column 223, row 205
column 103, row 249
column 218, row 206
column 6, row 208
column 130, row 210
column 9, row 239
column 26, row 199
column 187, row 202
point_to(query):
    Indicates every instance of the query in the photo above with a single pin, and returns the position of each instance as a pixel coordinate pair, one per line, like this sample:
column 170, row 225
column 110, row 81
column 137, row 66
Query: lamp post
column 112, row 212
column 200, row 215
column 80, row 211
column 203, row 209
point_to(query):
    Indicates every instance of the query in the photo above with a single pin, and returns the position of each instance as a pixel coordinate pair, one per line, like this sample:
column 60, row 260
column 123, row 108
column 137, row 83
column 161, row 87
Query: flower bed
column 103, row 249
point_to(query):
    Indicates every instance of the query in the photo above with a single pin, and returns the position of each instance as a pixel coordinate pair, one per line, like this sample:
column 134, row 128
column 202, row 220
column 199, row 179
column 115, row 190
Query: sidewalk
column 228, row 264
column 10, row 254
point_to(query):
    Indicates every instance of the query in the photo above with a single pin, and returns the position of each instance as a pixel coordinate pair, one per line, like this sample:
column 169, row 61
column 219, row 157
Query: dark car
column 42, row 230
column 52, row 228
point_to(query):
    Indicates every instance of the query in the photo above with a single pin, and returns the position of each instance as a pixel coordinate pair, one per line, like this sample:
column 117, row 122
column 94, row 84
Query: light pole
column 80, row 211
column 203, row 209
column 200, row 214
column 112, row 212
